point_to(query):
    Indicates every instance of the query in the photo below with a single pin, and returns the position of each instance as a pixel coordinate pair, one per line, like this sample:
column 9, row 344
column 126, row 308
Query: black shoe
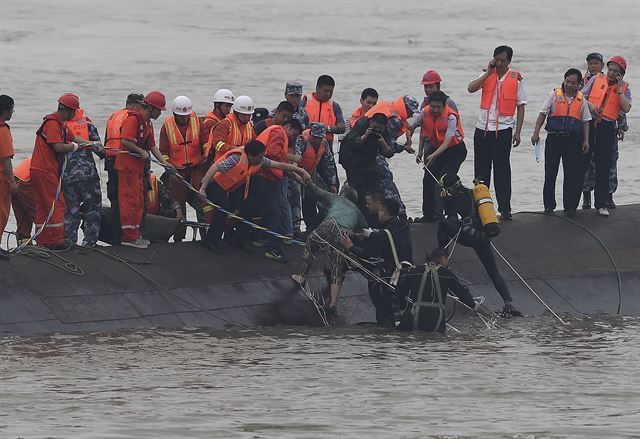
column 331, row 310
column 276, row 255
column 506, row 216
column 510, row 310
column 548, row 211
column 586, row 200
column 610, row 204
column 570, row 213
column 4, row 254
column 212, row 247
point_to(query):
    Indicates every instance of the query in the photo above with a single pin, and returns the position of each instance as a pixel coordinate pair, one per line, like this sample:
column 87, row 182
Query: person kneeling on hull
column 422, row 293
column 478, row 225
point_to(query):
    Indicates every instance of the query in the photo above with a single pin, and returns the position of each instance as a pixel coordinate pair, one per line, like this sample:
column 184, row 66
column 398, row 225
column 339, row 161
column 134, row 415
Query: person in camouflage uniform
column 82, row 193
column 293, row 95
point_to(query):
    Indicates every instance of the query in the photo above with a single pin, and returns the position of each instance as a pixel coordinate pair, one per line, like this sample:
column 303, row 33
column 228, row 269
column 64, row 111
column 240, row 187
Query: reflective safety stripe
column 166, row 157
column 129, row 226
column 484, row 200
column 50, row 225
column 219, row 145
column 208, row 208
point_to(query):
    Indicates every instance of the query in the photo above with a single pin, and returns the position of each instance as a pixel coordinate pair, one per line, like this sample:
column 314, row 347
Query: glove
column 75, row 146
column 367, row 232
column 97, row 147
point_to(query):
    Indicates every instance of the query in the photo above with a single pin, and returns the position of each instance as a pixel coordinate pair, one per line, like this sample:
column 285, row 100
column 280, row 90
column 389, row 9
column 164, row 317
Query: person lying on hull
column 421, row 295
column 392, row 243
column 476, row 228
column 227, row 184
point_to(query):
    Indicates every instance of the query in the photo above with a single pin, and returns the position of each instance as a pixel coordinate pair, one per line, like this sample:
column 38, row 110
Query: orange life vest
column 183, row 153
column 311, row 156
column 435, row 130
column 144, row 137
column 239, row 134
column 79, row 124
column 566, row 118
column 355, row 117
column 391, row 109
column 153, row 197
column 44, row 157
column 605, row 97
column 114, row 124
column 272, row 153
column 212, row 119
column 321, row 112
column 507, row 93
column 240, row 174
column 23, row 171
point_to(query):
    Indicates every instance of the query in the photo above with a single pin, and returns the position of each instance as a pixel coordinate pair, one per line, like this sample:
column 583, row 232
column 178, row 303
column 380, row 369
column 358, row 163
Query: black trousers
column 481, row 244
column 446, row 163
column 264, row 200
column 229, row 202
column 493, row 148
column 567, row 149
column 602, row 139
column 382, row 300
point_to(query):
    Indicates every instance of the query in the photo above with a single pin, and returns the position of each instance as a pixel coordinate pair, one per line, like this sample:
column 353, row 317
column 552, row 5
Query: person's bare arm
column 8, row 171
column 477, row 83
column 519, row 123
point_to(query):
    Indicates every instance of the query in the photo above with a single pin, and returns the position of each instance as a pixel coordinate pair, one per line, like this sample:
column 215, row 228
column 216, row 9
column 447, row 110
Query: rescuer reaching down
column 476, row 228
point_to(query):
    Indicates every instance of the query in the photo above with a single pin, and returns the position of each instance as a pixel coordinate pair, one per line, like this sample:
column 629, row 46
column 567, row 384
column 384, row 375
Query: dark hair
column 437, row 254
column 504, row 49
column 379, row 118
column 285, row 106
column 255, row 147
column 135, row 98
column 295, row 124
column 368, row 92
column 325, row 80
column 391, row 206
column 576, row 72
column 6, row 103
column 376, row 194
column 439, row 96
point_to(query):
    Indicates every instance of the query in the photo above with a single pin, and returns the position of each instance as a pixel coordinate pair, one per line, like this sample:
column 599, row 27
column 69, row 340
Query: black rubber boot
column 510, row 310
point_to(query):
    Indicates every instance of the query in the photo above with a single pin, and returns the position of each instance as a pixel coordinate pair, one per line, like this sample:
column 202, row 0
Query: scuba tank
column 486, row 211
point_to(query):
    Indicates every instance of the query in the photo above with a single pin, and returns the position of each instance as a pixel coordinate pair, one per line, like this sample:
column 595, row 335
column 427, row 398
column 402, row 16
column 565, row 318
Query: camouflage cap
column 318, row 129
column 411, row 103
column 293, row 88
column 595, row 55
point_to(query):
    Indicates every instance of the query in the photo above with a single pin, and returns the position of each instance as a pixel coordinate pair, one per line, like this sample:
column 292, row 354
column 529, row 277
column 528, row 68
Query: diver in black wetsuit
column 458, row 200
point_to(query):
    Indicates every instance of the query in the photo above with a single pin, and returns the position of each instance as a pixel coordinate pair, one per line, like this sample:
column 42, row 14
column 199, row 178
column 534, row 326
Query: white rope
column 306, row 290
column 528, row 286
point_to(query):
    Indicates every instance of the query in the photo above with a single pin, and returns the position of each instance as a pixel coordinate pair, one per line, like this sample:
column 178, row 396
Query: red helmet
column 620, row 61
column 156, row 99
column 69, row 100
column 431, row 77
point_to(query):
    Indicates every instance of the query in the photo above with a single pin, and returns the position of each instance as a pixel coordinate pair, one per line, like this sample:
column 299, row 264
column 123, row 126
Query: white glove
column 367, row 232
column 75, row 146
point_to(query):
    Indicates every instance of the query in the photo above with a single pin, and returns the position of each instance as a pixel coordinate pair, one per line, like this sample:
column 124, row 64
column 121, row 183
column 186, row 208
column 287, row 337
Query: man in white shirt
column 502, row 94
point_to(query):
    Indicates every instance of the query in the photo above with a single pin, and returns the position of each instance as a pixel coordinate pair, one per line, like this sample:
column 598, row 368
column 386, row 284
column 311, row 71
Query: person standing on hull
column 293, row 95
column 181, row 141
column 431, row 82
column 226, row 184
column 236, row 129
column 53, row 140
column 8, row 186
column 392, row 243
column 567, row 140
column 134, row 102
column 442, row 127
column 284, row 112
column 267, row 186
column 223, row 100
column 359, row 151
column 22, row 202
column 502, row 94
column 81, row 184
column 368, row 98
column 343, row 218
column 320, row 107
column 607, row 95
column 137, row 137
column 399, row 111
column 459, row 201
column 595, row 65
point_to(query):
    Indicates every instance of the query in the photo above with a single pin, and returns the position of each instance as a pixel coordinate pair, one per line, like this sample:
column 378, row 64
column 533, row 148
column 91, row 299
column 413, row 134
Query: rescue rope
column 528, row 286
column 489, row 323
column 602, row 244
column 46, row 255
column 159, row 285
column 306, row 291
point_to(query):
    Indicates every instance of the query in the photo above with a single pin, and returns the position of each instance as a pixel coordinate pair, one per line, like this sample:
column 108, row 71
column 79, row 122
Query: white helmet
column 223, row 96
column 182, row 106
column 243, row 105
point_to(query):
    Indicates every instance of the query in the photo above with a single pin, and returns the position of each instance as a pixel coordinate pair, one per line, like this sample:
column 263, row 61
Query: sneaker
column 548, row 211
column 86, row 244
column 259, row 243
column 276, row 255
column 506, row 216
column 511, row 310
column 603, row 211
column 138, row 243
column 214, row 248
column 146, row 241
column 63, row 246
